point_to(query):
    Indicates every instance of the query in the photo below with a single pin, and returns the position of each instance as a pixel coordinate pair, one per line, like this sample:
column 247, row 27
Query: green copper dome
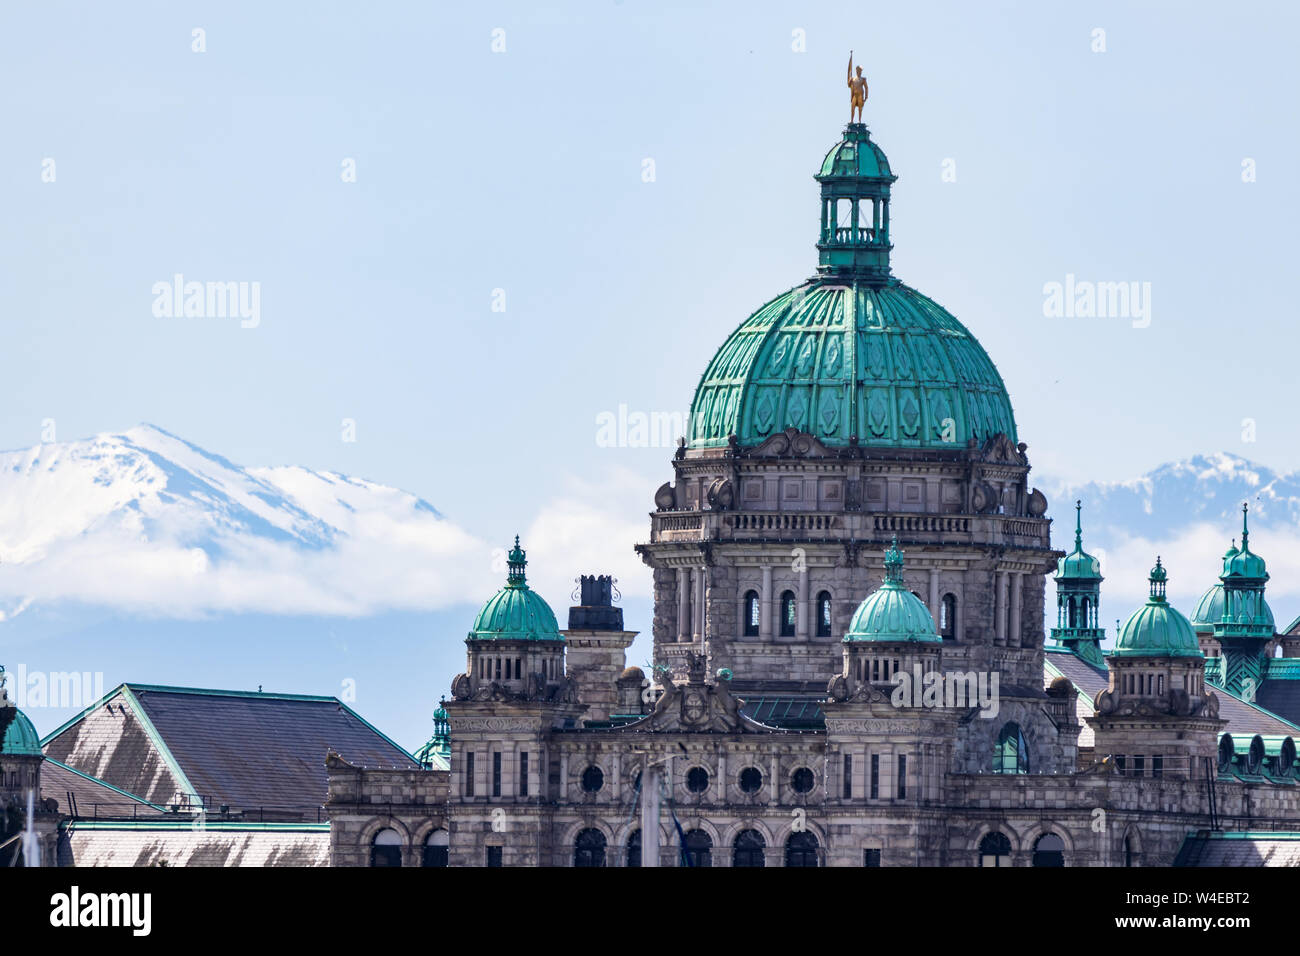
column 516, row 612
column 852, row 354
column 842, row 359
column 20, row 737
column 1078, row 564
column 1209, row 609
column 892, row 612
column 1243, row 563
column 1157, row 629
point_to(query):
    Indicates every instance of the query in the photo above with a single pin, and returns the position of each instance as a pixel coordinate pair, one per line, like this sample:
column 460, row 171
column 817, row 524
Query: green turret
column 1078, row 596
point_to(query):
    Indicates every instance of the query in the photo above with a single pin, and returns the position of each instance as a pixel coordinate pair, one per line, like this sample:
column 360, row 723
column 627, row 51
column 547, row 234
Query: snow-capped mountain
column 1188, row 512
column 148, row 521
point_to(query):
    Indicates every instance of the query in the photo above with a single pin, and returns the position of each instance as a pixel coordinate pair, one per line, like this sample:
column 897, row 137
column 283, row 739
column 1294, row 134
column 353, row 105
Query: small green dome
column 21, row 739
column 1244, row 563
column 855, row 156
column 1157, row 629
column 516, row 612
column 1209, row 609
column 892, row 612
column 1078, row 564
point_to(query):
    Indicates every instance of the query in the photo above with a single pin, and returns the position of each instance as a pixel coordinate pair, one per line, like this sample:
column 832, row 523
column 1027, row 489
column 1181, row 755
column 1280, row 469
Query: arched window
column 748, row 849
column 787, row 614
column 824, row 614
column 1085, row 613
column 1049, row 850
column 634, row 849
column 435, row 848
column 386, row 848
column 801, row 849
column 589, row 848
column 697, row 849
column 948, row 617
column 1072, row 616
column 1011, row 755
column 1130, row 850
column 995, row 850
column 751, row 614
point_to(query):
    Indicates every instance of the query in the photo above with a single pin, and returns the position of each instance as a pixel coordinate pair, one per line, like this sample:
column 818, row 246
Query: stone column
column 765, row 606
column 697, row 605
column 801, row 609
column 1017, row 584
column 934, row 597
column 683, row 604
column 1000, row 609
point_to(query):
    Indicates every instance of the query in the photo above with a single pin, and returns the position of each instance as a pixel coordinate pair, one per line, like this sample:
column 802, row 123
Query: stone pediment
column 1001, row 450
column 698, row 706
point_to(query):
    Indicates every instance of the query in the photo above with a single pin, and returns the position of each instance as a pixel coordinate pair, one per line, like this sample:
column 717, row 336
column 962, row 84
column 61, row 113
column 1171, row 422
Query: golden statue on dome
column 857, row 91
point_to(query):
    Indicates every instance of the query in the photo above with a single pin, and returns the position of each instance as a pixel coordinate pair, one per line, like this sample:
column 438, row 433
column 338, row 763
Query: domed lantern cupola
column 1078, row 596
column 515, row 646
column 855, row 180
column 892, row 631
column 1245, row 624
column 1157, row 717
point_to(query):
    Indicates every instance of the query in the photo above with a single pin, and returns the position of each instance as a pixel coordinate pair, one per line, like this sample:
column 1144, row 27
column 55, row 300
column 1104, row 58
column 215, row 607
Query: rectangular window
column 1121, row 763
column 902, row 777
column 1157, row 766
column 1138, row 766
column 848, row 776
column 871, row 858
column 496, row 773
column 494, row 856
column 469, row 773
column 523, row 774
column 875, row 776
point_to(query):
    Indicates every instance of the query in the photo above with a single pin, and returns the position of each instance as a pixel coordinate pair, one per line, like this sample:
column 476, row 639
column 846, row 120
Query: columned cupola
column 515, row 647
column 855, row 180
column 1078, row 597
column 1246, row 624
column 1157, row 718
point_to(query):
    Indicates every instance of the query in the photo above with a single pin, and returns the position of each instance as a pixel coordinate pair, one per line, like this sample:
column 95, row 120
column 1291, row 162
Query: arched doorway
column 801, row 849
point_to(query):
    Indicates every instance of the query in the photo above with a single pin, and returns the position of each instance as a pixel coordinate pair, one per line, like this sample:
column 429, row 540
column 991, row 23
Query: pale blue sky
column 523, row 171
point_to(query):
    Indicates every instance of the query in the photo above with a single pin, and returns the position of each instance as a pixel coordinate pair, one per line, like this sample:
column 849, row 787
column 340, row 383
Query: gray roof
column 1242, row 717
column 260, row 753
column 1204, row 848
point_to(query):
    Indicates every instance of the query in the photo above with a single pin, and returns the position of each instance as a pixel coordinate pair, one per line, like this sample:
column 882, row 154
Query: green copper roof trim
column 841, row 360
column 516, row 612
column 1157, row 629
column 104, row 783
column 892, row 613
column 228, row 826
column 186, row 788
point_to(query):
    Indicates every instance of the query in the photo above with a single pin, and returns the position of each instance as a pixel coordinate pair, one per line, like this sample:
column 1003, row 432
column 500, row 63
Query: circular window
column 697, row 780
column 751, row 779
column 593, row 778
column 802, row 780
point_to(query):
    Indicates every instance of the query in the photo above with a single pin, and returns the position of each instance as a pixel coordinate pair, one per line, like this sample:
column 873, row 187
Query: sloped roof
column 1206, row 848
column 257, row 752
column 1242, row 717
column 180, row 844
column 81, row 795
